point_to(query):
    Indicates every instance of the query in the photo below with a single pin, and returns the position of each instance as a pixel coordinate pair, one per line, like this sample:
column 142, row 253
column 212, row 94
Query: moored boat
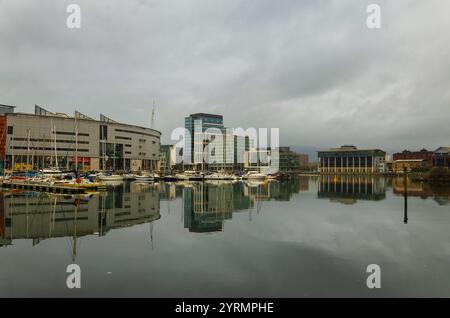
column 110, row 177
column 254, row 175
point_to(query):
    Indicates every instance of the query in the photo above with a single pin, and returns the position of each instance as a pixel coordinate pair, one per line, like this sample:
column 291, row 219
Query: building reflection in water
column 347, row 189
column 439, row 192
column 39, row 216
column 207, row 205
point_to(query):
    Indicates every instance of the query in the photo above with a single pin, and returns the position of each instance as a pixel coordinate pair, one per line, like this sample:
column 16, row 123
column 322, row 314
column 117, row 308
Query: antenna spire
column 152, row 124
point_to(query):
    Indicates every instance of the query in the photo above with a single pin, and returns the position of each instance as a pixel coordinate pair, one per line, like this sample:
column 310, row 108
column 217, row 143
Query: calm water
column 304, row 238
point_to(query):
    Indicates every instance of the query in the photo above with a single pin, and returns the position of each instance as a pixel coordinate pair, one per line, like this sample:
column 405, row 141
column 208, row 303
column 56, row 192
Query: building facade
column 349, row 159
column 303, row 160
column 441, row 157
column 409, row 165
column 424, row 154
column 168, row 158
column 45, row 139
column 209, row 145
column 288, row 160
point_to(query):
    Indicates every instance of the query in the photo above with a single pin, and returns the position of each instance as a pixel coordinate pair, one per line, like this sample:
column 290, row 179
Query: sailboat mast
column 56, row 149
column 28, row 148
column 76, row 144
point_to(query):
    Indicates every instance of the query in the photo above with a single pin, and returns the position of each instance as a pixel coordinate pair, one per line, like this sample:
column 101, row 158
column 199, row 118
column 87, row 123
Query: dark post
column 405, row 216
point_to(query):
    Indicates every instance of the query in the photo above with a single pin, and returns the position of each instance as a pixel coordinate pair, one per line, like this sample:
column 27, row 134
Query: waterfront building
column 288, row 160
column 441, row 157
column 6, row 109
column 349, row 159
column 46, row 139
column 423, row 154
column 409, row 165
column 168, row 157
column 303, row 160
column 225, row 151
column 262, row 160
column 280, row 159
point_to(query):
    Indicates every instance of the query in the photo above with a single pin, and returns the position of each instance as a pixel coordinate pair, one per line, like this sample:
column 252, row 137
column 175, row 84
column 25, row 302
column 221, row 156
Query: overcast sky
column 311, row 68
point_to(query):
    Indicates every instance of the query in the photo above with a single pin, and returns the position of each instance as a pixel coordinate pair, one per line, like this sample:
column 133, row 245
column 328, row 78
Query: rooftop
column 7, row 106
column 206, row 115
column 347, row 148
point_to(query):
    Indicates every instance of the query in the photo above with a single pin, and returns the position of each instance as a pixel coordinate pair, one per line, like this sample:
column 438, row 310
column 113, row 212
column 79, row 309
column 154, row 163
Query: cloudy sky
column 311, row 68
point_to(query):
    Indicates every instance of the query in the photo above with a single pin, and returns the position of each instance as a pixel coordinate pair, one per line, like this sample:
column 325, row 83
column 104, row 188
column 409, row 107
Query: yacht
column 110, row 177
column 254, row 175
column 190, row 175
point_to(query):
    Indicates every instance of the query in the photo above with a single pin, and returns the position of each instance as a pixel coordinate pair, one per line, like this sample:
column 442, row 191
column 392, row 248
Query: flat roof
column 348, row 150
column 65, row 116
column 206, row 115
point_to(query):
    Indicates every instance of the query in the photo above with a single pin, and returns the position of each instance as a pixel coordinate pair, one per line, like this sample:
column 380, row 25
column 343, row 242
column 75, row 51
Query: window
column 10, row 130
column 103, row 132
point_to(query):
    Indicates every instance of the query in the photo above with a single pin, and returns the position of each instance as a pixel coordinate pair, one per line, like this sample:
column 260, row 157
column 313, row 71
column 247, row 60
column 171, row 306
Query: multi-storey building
column 46, row 139
column 423, row 154
column 349, row 159
column 209, row 145
column 303, row 160
column 168, row 158
column 441, row 157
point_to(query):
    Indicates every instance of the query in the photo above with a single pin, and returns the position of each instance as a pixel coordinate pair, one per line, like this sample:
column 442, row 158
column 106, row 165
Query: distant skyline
column 311, row 68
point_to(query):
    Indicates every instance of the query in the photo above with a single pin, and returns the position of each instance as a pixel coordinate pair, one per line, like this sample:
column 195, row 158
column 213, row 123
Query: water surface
column 308, row 237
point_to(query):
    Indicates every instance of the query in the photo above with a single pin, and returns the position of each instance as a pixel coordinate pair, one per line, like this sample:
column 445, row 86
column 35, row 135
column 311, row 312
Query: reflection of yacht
column 254, row 182
column 144, row 178
column 129, row 176
column 219, row 176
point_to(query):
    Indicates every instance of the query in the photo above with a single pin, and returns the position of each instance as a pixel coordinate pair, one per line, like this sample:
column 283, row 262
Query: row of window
column 123, row 138
column 134, row 132
column 49, row 149
column 50, row 140
column 66, row 133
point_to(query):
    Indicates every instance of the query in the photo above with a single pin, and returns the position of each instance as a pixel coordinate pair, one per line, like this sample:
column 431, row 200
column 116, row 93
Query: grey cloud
column 311, row 68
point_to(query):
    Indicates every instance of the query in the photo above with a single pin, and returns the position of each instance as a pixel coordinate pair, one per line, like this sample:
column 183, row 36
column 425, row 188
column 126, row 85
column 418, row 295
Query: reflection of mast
column 52, row 216
column 74, row 245
column 151, row 234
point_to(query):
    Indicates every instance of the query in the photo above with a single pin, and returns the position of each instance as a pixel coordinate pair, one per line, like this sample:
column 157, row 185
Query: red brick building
column 423, row 154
